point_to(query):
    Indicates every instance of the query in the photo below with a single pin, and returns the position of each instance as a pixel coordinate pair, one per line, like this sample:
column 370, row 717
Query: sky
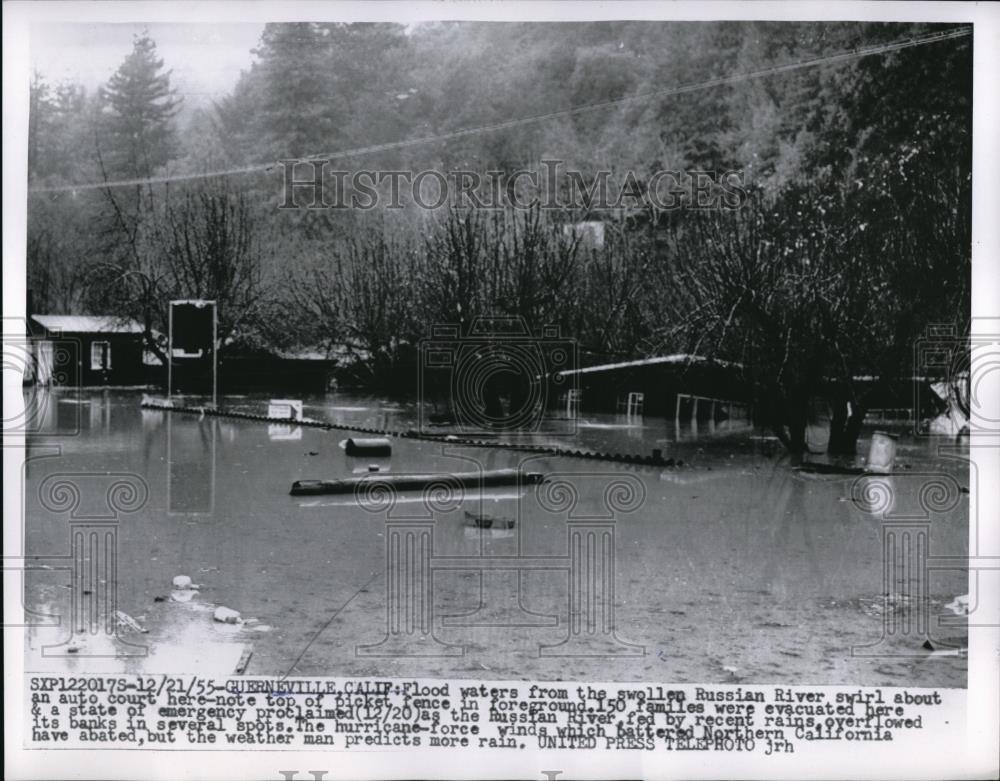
column 206, row 58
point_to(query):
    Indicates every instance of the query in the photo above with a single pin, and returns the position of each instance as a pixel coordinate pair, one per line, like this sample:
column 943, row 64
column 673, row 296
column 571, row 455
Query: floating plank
column 241, row 665
column 415, row 482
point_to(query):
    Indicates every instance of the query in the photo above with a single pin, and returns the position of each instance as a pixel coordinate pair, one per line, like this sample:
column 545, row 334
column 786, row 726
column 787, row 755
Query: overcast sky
column 206, row 58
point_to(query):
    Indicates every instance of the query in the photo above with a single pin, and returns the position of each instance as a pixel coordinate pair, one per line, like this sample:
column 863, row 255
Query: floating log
column 375, row 446
column 415, row 482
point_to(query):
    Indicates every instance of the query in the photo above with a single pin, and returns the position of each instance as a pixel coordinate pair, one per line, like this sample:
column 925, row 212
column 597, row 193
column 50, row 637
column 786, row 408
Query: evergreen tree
column 138, row 108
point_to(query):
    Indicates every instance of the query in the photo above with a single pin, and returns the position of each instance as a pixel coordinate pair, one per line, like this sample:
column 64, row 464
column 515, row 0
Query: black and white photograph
column 596, row 391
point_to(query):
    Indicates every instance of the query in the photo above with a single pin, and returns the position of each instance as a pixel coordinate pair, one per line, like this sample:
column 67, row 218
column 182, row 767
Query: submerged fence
column 654, row 459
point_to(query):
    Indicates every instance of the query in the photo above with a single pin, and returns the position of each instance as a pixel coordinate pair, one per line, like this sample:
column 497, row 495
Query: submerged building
column 81, row 350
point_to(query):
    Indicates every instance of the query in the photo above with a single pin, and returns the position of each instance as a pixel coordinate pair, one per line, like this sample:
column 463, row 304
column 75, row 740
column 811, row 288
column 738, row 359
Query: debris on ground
column 182, row 595
column 226, row 615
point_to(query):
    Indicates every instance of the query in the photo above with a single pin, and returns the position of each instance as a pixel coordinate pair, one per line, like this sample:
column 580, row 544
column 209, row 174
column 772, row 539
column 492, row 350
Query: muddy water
column 732, row 568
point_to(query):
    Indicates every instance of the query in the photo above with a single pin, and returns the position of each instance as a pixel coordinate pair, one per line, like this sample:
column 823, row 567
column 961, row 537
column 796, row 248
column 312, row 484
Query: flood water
column 731, row 568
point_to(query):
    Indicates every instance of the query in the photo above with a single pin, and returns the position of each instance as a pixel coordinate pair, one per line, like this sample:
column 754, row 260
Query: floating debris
column 184, row 582
column 241, row 665
column 182, row 595
column 374, row 446
column 415, row 482
column 733, row 672
column 226, row 615
column 127, row 620
column 949, row 646
column 959, row 605
column 486, row 521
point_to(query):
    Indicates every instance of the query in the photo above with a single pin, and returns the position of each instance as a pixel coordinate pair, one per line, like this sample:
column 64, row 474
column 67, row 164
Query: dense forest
column 854, row 233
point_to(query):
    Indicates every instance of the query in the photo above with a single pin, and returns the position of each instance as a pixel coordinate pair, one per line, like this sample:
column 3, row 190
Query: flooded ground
column 731, row 568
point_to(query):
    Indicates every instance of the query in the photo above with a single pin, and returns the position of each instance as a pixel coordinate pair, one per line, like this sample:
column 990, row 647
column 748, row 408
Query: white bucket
column 881, row 453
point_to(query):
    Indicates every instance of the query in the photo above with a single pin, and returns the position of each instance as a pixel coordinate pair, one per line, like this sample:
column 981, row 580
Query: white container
column 881, row 453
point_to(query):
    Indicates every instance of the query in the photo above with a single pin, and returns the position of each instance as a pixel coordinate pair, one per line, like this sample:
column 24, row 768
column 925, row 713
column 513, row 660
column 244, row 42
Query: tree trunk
column 845, row 428
column 789, row 425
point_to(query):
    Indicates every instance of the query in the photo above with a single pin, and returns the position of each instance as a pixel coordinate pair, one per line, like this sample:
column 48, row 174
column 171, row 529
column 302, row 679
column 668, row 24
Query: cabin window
column 100, row 356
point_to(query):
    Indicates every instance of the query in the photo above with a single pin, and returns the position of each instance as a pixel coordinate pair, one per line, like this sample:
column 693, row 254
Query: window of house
column 100, row 356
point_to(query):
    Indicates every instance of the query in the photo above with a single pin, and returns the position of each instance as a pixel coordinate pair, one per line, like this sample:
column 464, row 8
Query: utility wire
column 840, row 57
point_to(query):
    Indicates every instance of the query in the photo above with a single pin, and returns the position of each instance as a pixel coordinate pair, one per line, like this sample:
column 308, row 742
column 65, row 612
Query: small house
column 87, row 350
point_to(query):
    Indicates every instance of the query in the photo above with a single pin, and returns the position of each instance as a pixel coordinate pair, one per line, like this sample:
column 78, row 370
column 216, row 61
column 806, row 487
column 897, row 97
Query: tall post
column 215, row 351
column 170, row 349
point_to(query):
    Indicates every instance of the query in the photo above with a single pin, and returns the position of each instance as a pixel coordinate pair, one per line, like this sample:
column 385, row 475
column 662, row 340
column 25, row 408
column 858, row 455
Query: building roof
column 88, row 324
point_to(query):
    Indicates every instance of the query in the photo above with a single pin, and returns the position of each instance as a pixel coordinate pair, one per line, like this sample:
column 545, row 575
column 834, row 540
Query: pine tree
column 139, row 105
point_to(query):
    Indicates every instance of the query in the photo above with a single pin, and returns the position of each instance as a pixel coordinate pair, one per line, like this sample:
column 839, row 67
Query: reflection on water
column 191, row 461
column 734, row 561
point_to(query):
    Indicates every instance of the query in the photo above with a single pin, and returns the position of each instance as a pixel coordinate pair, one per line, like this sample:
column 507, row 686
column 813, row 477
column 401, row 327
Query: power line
column 840, row 57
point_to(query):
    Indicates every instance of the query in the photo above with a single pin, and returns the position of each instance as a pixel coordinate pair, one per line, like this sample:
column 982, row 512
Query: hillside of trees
column 854, row 235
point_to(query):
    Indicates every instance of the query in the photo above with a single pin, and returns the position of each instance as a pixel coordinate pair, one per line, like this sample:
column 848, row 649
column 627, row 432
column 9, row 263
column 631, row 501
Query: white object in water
column 881, row 453
column 182, row 581
column 285, row 408
column 226, row 615
column 953, row 419
column 131, row 623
